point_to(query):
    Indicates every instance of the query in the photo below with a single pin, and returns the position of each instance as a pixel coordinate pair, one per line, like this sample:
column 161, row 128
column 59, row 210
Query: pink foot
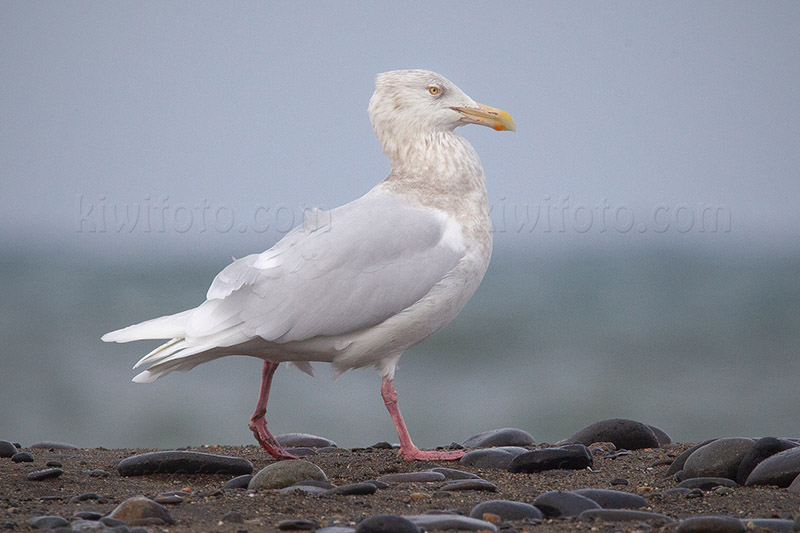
column 258, row 425
column 415, row 454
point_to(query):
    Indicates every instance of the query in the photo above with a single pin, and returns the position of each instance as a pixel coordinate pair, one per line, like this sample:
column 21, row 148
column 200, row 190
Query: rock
column 303, row 452
column 47, row 473
column 451, row 473
column 569, row 457
column 295, row 525
column 779, row 469
column 499, row 437
column 308, row 489
column 661, row 436
column 233, row 517
column 22, row 457
column 335, row 529
column 96, row 473
column 506, row 510
column 7, row 449
column 491, row 457
column 772, row 525
column 353, row 489
column 48, row 522
column 141, row 511
column 386, row 523
column 677, row 464
column 183, row 462
column 612, row 499
column 239, row 482
column 624, row 433
column 555, row 504
column 766, row 447
column 720, row 458
column 285, row 473
column 794, row 487
column 707, row 483
column 87, row 525
column 412, row 477
column 469, row 484
column 710, row 524
column 88, row 515
column 619, row 481
column 434, row 522
column 55, row 464
column 53, row 445
column 623, row 515
column 303, row 440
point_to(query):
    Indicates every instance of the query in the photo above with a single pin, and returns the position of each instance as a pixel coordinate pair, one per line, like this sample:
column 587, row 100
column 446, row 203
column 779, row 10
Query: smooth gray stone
column 794, row 487
column 435, row 522
column 707, row 483
column 499, row 437
column 677, row 464
column 335, row 529
column 47, row 473
column 774, row 525
column 140, row 510
column 88, row 515
column 491, row 457
column 183, row 462
column 779, row 469
column 622, row 432
column 386, row 523
column 282, row 474
column 48, row 522
column 353, row 489
column 308, row 489
column 622, row 515
column 7, row 449
column 412, row 477
column 22, row 457
column 765, row 447
column 469, row 484
column 303, row 440
column 569, row 457
column 710, row 524
column 298, row 524
column 506, row 510
column 555, row 504
column 451, row 473
column 613, row 499
column 720, row 458
column 661, row 435
column 239, row 482
column 87, row 525
column 53, row 445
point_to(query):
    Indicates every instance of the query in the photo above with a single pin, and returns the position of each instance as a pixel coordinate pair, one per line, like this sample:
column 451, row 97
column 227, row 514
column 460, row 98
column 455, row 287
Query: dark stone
column 677, row 464
column 383, row 445
column 380, row 485
column 569, row 457
column 233, row 518
column 720, row 458
column 54, row 464
column 506, row 510
column 661, row 435
column 86, row 496
column 112, row 522
column 239, row 482
column 301, row 525
column 613, row 499
column 47, row 522
column 183, row 462
column 710, row 524
column 469, row 484
column 354, row 489
column 430, row 522
column 766, row 447
column 499, row 437
column 707, row 483
column 451, row 473
column 96, row 473
column 491, row 457
column 47, row 473
column 7, row 449
column 385, row 523
column 779, row 469
column 140, row 511
column 555, row 504
column 88, row 515
column 412, row 477
column 303, row 440
column 619, row 481
column 623, row 515
column 22, row 457
column 623, row 433
column 87, row 525
column 53, row 445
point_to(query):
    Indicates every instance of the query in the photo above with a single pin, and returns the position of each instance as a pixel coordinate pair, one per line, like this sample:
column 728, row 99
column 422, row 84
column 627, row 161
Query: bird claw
column 259, row 428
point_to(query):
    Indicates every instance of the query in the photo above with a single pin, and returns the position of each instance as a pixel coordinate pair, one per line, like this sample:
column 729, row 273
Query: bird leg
column 408, row 450
column 258, row 424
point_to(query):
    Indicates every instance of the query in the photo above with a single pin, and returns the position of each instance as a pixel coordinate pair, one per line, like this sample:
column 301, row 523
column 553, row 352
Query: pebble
column 720, row 458
column 303, row 440
column 613, row 499
column 7, row 449
column 794, row 487
column 88, row 515
column 499, row 437
column 571, row 457
column 47, row 522
column 773, row 525
column 308, row 489
column 765, row 447
column 661, row 436
column 53, row 445
column 96, row 473
column 433, row 522
column 47, row 473
column 506, row 510
column 707, row 483
column 452, row 473
column 619, row 481
column 286, row 473
column 55, row 464
column 335, row 529
column 469, row 484
column 302, row 452
column 412, row 477
column 379, row 484
column 624, row 433
column 491, row 457
column 86, row 496
column 22, row 457
column 555, row 504
column 239, row 482
column 183, row 462
column 86, row 525
column 677, row 464
column 710, row 524
column 302, row 525
column 172, row 497
column 353, row 489
column 233, row 517
column 141, row 511
column 622, row 515
column 386, row 523
column 779, row 469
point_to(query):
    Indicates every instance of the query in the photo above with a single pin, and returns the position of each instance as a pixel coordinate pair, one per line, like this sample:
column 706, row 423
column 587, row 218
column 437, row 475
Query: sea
column 701, row 343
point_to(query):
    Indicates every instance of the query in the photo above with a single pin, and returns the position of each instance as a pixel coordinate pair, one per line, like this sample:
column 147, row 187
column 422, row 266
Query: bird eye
column 434, row 90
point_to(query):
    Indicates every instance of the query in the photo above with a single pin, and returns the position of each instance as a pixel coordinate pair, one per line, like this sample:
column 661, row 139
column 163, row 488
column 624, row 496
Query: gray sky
column 240, row 114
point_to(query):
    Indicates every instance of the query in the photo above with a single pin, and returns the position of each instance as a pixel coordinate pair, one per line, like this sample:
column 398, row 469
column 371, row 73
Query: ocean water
column 700, row 343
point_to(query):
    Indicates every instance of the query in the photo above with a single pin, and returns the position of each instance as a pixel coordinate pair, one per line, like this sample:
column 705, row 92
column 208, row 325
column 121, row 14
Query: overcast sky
column 172, row 126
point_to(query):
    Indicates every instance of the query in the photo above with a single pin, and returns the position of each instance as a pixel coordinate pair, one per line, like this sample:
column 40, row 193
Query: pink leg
column 408, row 450
column 258, row 424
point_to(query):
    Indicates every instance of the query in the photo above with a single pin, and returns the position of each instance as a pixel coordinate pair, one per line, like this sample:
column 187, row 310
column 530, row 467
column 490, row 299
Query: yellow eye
column 434, row 90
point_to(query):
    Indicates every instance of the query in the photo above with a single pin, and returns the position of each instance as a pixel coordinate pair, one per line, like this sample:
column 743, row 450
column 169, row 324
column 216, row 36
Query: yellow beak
column 484, row 115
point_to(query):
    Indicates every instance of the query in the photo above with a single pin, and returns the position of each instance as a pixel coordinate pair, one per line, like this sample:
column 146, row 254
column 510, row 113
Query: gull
column 358, row 285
